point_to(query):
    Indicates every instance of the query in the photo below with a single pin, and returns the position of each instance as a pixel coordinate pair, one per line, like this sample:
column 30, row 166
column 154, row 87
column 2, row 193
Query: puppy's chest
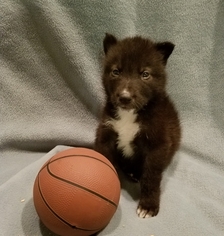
column 126, row 127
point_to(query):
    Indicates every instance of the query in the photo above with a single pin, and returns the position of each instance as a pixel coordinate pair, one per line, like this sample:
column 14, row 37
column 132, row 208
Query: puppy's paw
column 147, row 210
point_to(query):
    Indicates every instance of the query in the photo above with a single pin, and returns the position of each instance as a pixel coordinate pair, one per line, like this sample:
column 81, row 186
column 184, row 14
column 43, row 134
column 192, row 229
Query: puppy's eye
column 115, row 72
column 145, row 75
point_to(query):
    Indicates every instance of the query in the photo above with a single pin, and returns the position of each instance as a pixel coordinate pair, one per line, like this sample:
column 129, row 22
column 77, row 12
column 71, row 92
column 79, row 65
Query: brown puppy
column 139, row 129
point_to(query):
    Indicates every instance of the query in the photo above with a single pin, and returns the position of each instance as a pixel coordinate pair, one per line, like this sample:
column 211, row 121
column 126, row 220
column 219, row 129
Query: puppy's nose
column 125, row 97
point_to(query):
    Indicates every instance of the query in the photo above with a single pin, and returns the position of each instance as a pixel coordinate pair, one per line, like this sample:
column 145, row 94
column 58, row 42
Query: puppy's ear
column 165, row 48
column 108, row 41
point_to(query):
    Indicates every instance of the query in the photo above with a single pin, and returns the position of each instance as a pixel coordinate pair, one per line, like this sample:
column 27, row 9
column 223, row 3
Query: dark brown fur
column 159, row 136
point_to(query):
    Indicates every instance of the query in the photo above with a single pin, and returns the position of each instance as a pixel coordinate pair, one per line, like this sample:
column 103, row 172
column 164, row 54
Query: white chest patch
column 126, row 127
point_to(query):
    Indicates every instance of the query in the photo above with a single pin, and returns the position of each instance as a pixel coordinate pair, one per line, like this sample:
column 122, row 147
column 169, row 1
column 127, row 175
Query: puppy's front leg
column 150, row 193
column 105, row 142
column 153, row 167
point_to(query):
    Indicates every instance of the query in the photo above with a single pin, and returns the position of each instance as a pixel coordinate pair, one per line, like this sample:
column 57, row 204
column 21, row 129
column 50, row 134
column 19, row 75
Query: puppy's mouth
column 127, row 101
column 128, row 104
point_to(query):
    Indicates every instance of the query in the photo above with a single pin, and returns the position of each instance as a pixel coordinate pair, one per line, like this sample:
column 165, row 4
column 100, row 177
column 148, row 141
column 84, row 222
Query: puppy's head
column 134, row 70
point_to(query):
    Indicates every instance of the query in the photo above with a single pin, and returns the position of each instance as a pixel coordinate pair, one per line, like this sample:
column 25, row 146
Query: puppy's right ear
column 108, row 41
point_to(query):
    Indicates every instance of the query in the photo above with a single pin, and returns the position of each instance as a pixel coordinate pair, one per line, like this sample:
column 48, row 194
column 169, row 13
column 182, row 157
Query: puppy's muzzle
column 125, row 97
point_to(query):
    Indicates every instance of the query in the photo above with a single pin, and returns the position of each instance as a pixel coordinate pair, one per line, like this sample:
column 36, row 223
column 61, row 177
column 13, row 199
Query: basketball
column 76, row 192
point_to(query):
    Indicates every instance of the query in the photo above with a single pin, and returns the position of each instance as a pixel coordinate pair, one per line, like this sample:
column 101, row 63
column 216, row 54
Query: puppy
column 139, row 129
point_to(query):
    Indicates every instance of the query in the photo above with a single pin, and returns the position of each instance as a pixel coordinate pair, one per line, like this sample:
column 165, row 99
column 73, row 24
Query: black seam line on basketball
column 44, row 165
column 84, row 156
column 79, row 186
column 72, row 226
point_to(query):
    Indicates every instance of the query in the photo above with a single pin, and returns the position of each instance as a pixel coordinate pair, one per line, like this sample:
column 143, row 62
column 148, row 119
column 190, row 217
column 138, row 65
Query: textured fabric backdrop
column 51, row 95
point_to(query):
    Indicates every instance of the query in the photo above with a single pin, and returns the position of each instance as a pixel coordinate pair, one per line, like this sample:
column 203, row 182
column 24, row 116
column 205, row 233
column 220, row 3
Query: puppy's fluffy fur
column 139, row 129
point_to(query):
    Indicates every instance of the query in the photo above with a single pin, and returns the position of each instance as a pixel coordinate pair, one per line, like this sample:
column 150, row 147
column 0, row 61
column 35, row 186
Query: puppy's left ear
column 165, row 48
column 108, row 41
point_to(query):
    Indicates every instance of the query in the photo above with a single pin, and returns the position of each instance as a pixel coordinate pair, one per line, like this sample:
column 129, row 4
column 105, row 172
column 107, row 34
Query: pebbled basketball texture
column 76, row 192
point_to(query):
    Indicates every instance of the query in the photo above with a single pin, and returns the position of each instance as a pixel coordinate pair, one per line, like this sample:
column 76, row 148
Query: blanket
column 51, row 96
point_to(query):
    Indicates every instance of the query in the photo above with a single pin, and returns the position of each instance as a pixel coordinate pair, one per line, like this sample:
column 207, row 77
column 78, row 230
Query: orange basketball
column 76, row 192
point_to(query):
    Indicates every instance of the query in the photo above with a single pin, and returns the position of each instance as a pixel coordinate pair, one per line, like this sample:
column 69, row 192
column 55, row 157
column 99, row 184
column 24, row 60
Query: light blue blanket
column 51, row 95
